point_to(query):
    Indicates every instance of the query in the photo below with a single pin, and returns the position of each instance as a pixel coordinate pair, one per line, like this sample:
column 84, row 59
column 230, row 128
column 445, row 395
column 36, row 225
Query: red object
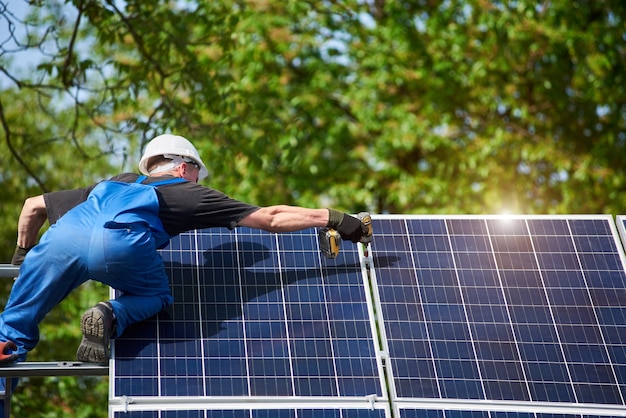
column 6, row 355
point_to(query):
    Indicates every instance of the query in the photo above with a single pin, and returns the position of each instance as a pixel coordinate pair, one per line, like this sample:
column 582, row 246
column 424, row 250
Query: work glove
column 18, row 256
column 349, row 227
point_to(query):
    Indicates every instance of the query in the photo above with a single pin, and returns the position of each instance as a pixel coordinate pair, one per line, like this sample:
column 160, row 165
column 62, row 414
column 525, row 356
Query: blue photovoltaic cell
column 525, row 309
column 472, row 308
column 255, row 314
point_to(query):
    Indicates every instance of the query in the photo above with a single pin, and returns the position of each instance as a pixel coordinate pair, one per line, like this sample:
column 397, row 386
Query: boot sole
column 94, row 347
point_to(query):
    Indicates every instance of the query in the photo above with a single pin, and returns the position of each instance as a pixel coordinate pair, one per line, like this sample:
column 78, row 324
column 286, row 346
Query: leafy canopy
column 388, row 106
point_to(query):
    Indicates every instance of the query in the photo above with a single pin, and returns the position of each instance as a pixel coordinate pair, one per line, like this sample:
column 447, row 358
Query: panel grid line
column 466, row 316
column 507, row 306
column 244, row 333
column 328, row 325
column 194, row 234
column 421, row 303
column 553, row 318
column 595, row 314
column 286, row 316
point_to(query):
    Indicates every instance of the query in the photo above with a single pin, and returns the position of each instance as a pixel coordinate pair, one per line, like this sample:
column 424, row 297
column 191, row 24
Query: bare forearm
column 283, row 218
column 32, row 218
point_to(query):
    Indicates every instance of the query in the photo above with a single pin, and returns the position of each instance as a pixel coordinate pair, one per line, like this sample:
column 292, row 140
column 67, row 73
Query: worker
column 110, row 232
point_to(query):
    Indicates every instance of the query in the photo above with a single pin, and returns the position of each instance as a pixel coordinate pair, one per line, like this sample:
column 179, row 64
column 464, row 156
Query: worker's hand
column 349, row 227
column 18, row 256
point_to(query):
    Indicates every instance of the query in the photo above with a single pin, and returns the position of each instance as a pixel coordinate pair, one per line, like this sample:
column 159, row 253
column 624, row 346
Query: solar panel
column 256, row 315
column 447, row 316
column 507, row 310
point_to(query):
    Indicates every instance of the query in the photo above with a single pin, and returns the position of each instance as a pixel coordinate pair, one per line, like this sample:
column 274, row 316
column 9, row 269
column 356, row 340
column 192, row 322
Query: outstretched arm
column 283, row 218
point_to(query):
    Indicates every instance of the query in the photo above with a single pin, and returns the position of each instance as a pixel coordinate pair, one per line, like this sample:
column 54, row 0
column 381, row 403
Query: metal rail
column 9, row 271
column 60, row 368
column 42, row 369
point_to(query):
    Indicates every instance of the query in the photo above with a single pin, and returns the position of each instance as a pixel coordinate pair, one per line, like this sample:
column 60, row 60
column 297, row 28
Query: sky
column 11, row 13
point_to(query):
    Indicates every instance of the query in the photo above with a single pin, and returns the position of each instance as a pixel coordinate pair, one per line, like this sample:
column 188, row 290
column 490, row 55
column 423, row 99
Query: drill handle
column 330, row 242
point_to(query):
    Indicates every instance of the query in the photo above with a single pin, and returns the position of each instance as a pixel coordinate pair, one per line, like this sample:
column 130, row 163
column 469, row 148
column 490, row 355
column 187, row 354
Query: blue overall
column 112, row 238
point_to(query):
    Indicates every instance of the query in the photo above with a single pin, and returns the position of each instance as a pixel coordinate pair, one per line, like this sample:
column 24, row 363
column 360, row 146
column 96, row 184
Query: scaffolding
column 40, row 369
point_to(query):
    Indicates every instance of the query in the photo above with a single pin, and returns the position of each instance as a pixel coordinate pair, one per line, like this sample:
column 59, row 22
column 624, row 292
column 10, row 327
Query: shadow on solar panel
column 227, row 284
column 256, row 316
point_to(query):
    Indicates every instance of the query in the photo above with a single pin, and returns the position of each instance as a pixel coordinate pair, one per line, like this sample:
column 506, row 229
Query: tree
column 460, row 106
column 392, row 106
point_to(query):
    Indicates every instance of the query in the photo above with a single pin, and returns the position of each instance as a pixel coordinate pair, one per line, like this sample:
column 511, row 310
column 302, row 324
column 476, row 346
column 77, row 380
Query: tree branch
column 7, row 135
column 65, row 76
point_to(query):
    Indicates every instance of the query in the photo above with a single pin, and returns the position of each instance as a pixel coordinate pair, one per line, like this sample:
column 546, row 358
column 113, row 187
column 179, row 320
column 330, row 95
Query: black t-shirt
column 182, row 206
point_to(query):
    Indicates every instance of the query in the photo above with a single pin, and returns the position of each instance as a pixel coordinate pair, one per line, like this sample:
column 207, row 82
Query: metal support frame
column 9, row 271
column 43, row 369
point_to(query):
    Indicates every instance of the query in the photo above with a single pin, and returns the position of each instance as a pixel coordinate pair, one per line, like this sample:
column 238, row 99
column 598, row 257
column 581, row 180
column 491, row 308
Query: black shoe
column 97, row 326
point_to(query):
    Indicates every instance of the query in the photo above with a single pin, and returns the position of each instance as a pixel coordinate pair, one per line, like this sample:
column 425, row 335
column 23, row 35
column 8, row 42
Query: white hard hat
column 170, row 145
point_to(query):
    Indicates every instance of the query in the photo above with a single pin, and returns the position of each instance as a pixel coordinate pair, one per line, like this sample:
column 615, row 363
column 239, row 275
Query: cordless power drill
column 330, row 239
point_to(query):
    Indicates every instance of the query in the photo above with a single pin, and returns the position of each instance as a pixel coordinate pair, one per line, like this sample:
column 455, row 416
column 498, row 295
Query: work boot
column 97, row 326
column 7, row 352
